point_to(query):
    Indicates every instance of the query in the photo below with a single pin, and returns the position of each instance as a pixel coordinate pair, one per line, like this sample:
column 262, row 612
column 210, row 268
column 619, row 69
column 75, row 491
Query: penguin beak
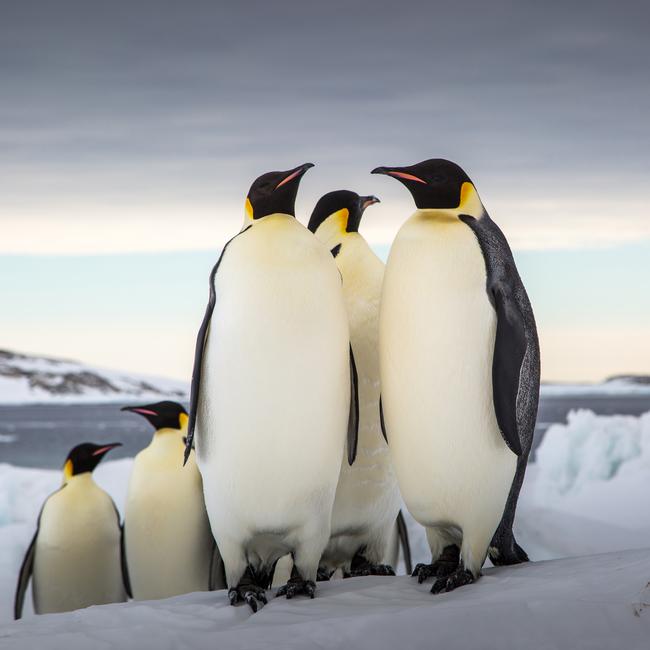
column 141, row 410
column 106, row 448
column 397, row 172
column 292, row 174
column 367, row 201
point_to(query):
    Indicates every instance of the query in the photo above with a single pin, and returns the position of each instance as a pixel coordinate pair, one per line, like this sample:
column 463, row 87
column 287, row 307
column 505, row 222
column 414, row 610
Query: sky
column 131, row 131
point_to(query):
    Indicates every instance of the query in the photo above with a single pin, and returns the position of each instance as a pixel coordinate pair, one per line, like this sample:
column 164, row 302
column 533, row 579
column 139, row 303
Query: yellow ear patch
column 340, row 217
column 466, row 192
column 182, row 420
column 67, row 470
column 249, row 208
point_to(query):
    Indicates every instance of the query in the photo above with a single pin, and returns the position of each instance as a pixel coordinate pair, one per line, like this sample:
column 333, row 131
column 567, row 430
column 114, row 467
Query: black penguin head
column 162, row 415
column 275, row 192
column 85, row 457
column 342, row 206
column 434, row 184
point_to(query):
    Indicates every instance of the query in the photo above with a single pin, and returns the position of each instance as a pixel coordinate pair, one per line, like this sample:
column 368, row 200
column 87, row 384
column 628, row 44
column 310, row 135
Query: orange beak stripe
column 290, row 177
column 407, row 177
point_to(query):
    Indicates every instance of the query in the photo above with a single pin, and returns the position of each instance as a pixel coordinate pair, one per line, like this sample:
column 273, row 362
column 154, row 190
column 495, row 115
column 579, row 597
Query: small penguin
column 273, row 395
column 459, row 359
column 75, row 558
column 367, row 497
column 165, row 515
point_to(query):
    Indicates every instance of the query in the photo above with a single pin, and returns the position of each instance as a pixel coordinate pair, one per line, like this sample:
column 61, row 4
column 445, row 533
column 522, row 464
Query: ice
column 592, row 447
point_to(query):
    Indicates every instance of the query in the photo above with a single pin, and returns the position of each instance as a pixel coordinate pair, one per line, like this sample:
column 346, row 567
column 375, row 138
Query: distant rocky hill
column 642, row 380
column 31, row 379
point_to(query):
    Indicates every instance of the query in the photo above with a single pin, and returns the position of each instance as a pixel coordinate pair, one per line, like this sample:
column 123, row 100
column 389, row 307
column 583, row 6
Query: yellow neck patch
column 68, row 469
column 183, row 419
column 340, row 218
column 249, row 208
column 470, row 203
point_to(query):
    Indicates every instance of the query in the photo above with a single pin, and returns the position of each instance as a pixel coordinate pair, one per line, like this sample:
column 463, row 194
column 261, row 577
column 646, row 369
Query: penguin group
column 82, row 554
column 328, row 391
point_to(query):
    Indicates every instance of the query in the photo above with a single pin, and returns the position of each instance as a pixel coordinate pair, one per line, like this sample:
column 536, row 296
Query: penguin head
column 337, row 214
column 162, row 415
column 435, row 184
column 84, row 458
column 275, row 193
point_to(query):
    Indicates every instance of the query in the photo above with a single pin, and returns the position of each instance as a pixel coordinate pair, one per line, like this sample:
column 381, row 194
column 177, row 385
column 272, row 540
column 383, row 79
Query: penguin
column 273, row 395
column 459, row 359
column 75, row 558
column 165, row 516
column 367, row 499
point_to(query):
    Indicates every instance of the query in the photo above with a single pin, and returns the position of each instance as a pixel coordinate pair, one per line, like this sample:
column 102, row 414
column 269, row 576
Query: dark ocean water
column 41, row 435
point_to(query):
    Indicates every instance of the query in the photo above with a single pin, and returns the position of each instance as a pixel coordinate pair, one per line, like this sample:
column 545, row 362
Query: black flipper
column 28, row 564
column 403, row 533
column 24, row 576
column 123, row 563
column 198, row 354
column 353, row 419
column 509, row 351
column 381, row 420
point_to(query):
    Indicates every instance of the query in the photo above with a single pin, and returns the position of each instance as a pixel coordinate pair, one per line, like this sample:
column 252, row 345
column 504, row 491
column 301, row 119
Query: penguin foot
column 458, row 578
column 369, row 569
column 508, row 553
column 253, row 595
column 443, row 567
column 296, row 586
column 323, row 574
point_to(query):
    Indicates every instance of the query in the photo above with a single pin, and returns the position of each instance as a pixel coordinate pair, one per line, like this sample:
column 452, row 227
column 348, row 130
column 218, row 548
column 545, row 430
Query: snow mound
column 593, row 447
column 32, row 380
column 592, row 602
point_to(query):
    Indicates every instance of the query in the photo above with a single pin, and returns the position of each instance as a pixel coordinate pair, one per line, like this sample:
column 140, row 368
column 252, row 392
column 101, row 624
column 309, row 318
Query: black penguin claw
column 252, row 595
column 444, row 566
column 296, row 586
column 323, row 574
column 458, row 578
column 508, row 553
column 369, row 569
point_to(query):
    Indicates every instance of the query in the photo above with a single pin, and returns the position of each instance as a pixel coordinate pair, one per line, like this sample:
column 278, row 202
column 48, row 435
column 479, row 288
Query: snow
column 584, row 500
column 592, row 602
column 35, row 380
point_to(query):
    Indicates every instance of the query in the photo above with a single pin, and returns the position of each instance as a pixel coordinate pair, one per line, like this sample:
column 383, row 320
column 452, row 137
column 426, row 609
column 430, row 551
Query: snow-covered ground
column 27, row 379
column 598, row 602
column 586, row 494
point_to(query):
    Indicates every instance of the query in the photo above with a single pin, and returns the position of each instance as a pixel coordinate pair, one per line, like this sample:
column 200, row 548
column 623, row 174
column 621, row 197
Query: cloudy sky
column 130, row 132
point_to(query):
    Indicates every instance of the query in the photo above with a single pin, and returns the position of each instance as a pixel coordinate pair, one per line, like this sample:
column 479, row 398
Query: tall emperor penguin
column 367, row 497
column 459, row 360
column 273, row 395
column 165, row 516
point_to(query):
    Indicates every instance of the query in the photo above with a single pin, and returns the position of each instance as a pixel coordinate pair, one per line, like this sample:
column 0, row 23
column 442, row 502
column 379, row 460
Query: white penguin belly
column 77, row 559
column 437, row 343
column 166, row 528
column 367, row 497
column 275, row 387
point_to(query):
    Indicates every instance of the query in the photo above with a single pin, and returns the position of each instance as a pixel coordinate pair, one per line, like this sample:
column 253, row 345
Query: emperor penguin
column 459, row 359
column 367, row 499
column 273, row 395
column 165, row 516
column 75, row 558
